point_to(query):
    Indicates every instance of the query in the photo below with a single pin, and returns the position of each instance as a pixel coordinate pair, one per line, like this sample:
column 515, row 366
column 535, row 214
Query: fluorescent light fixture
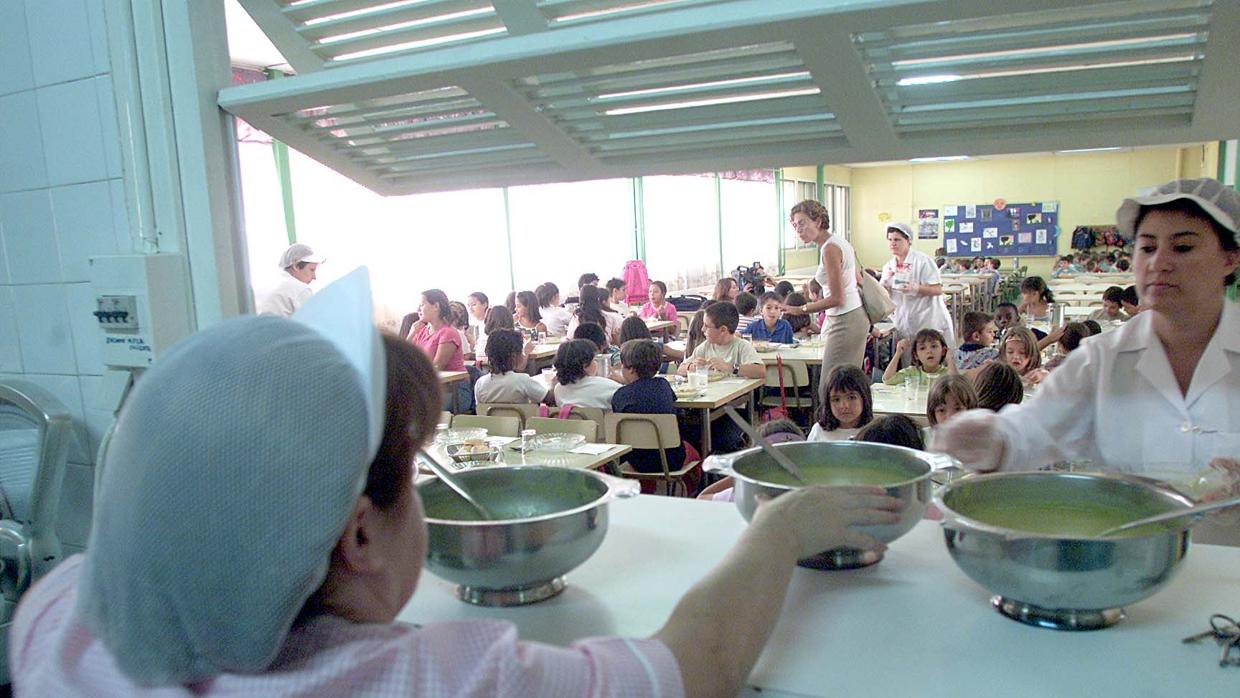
column 928, row 80
column 408, row 45
column 1046, row 50
column 1089, row 150
column 940, row 158
column 329, row 40
column 710, row 102
column 717, row 83
column 611, row 10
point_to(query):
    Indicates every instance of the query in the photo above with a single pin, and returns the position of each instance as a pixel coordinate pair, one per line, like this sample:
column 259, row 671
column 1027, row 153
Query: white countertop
column 913, row 625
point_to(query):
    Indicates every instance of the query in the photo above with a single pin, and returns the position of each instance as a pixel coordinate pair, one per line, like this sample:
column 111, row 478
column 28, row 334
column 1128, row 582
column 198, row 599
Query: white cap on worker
column 299, row 253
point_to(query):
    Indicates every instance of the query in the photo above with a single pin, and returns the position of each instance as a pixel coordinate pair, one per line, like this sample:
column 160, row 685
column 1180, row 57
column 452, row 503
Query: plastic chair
column 495, row 426
column 522, row 411
column 796, row 380
column 650, row 431
column 551, row 425
column 35, row 429
column 591, row 414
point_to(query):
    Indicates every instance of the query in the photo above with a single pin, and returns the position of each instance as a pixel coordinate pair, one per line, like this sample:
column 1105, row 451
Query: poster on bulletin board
column 982, row 230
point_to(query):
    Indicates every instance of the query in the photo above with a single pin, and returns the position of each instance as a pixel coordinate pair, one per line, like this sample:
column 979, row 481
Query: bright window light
column 611, row 11
column 415, row 44
column 932, row 79
column 1044, row 50
column 928, row 80
column 327, row 41
column 940, row 158
column 1089, row 150
column 710, row 102
column 694, row 86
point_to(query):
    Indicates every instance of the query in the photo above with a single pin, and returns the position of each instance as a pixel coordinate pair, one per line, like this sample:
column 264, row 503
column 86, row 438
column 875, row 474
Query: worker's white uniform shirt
column 917, row 312
column 286, row 297
column 1115, row 402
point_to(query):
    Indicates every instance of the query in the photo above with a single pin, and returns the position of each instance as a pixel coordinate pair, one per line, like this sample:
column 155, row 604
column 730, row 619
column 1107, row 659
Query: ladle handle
column 783, row 461
column 1196, row 510
column 447, row 479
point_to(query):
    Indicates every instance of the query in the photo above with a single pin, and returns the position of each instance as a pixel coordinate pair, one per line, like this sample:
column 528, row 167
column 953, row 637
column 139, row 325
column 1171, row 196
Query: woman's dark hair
column 460, row 315
column 783, row 288
column 746, row 303
column 641, row 355
column 1037, row 285
column 1188, row 207
column 546, row 293
column 1129, row 296
column 662, row 286
column 590, row 307
column 926, row 335
column 410, row 414
column 696, row 335
column 571, row 360
column 814, row 211
column 952, row 385
column 1094, row 327
column 1072, row 335
column 511, row 302
column 894, row 429
column 998, row 384
column 498, row 318
column 481, row 298
column 586, row 279
column 592, row 332
column 845, row 379
column 436, row 297
column 504, row 349
column 633, row 327
column 530, row 301
column 798, row 322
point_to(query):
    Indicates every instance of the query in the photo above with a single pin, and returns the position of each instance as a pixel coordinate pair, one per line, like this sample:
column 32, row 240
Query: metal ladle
column 1171, row 516
column 448, row 479
column 783, row 461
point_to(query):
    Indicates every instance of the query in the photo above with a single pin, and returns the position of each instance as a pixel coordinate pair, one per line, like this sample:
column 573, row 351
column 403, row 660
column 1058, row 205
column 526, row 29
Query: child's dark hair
column 1129, row 296
column 511, row 302
column 633, row 327
column 926, row 335
column 783, row 429
column 662, row 286
column 953, row 385
column 460, row 315
column 770, row 296
column 746, row 303
column 696, row 335
column 480, row 297
column 845, row 379
column 894, row 429
column 498, row 318
column 1028, row 339
column 504, row 349
column 614, row 284
column 782, row 289
column 586, row 279
column 546, row 293
column 1113, row 294
column 571, row 360
column 798, row 322
column 724, row 315
column 972, row 323
column 590, row 307
column 641, row 355
column 998, row 384
column 1072, row 335
column 592, row 332
column 1094, row 327
column 1037, row 285
column 530, row 301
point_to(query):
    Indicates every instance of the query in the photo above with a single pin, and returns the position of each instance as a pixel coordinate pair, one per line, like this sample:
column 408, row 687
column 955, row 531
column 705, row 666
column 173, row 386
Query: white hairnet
column 234, row 465
column 1219, row 201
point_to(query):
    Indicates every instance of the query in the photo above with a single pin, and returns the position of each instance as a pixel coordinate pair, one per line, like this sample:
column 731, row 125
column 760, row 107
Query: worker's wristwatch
column 736, row 369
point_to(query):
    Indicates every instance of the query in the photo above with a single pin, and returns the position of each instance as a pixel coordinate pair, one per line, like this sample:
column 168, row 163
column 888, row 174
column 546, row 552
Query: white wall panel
column 87, row 337
column 85, row 226
column 14, row 49
column 43, row 329
column 10, row 348
column 21, row 144
column 60, row 40
column 72, row 132
column 97, row 420
column 30, row 237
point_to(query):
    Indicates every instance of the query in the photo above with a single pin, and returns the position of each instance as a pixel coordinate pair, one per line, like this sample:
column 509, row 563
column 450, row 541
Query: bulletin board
column 1026, row 230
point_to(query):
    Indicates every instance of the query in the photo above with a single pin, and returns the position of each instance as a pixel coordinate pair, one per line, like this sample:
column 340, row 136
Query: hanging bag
column 874, row 298
column 636, row 282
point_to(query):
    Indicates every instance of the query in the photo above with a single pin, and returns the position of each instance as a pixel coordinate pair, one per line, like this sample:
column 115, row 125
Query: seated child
column 645, row 393
column 1112, row 306
column 1069, row 340
column 577, row 379
column 723, row 351
column 977, row 334
column 506, row 382
column 1007, row 315
column 770, row 326
column 803, row 324
column 949, row 395
column 894, row 429
column 598, row 336
column 782, row 289
column 997, row 385
column 460, row 320
column 776, row 431
column 929, row 359
column 747, row 311
column 1094, row 327
column 1019, row 349
column 846, row 405
column 1129, row 301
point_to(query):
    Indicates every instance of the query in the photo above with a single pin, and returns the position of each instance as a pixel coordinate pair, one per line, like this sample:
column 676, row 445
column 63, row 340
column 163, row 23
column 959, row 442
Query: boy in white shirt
column 506, row 383
column 723, row 351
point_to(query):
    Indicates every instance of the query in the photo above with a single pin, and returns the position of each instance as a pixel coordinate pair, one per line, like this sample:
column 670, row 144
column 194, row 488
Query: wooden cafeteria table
column 717, row 394
column 448, row 377
column 538, row 358
column 892, row 399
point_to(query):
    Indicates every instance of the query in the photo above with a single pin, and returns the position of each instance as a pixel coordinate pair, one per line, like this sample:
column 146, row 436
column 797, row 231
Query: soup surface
column 842, row 474
column 1071, row 520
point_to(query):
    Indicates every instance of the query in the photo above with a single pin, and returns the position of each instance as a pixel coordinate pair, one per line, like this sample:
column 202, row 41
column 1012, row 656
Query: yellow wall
column 1088, row 187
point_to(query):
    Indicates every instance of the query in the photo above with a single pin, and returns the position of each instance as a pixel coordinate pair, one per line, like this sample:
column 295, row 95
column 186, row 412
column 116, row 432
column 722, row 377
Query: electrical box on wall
column 142, row 304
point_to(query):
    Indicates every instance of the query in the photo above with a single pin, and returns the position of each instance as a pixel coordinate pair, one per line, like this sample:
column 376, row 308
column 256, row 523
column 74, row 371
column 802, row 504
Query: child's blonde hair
column 956, row 386
column 1025, row 336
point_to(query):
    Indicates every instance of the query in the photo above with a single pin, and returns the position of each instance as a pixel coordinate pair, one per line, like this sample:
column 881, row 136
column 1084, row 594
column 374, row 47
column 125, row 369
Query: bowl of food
column 447, row 437
column 557, row 442
column 548, row 520
column 903, row 472
column 761, row 346
column 713, row 375
column 1031, row 539
column 684, row 391
column 472, row 451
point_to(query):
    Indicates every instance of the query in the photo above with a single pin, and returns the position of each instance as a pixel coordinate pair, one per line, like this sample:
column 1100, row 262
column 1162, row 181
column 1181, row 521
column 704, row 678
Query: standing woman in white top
column 916, row 287
column 846, row 325
column 300, row 265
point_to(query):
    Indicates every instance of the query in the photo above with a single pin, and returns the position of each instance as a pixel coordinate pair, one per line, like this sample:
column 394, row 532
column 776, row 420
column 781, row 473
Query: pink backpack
column 636, row 282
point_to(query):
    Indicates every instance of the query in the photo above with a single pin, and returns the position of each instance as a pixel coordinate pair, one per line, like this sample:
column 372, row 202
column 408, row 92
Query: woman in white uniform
column 915, row 286
column 1160, row 395
column 846, row 325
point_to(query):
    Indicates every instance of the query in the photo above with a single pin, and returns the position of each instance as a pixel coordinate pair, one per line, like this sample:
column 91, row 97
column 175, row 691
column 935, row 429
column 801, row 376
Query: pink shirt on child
column 52, row 654
column 429, row 343
column 669, row 311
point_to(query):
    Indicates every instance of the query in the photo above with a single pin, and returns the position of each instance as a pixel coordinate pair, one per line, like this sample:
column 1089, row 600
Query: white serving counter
column 913, row 625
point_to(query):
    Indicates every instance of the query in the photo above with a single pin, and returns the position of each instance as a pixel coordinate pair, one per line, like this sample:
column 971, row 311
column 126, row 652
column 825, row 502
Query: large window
column 749, row 223
column 682, row 230
column 837, row 199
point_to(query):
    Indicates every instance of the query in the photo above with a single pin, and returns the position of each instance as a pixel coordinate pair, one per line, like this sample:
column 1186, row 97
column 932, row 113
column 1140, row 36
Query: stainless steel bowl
column 1068, row 580
column 904, row 472
column 549, row 521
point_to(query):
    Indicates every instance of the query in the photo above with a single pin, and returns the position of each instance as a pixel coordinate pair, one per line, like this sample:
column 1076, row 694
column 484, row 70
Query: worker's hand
column 821, row 518
column 973, row 437
column 792, row 309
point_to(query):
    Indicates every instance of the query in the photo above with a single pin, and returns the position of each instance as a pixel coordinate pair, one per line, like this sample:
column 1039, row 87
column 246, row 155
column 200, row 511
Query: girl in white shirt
column 578, row 382
column 506, row 383
column 554, row 317
column 846, row 405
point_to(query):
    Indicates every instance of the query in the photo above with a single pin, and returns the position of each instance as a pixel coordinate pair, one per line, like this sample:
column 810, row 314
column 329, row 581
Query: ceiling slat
column 423, row 32
column 388, row 17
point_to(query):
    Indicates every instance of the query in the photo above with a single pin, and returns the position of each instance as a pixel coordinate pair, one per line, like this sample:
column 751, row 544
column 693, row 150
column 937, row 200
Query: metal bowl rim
column 951, row 516
column 603, row 498
column 919, row 455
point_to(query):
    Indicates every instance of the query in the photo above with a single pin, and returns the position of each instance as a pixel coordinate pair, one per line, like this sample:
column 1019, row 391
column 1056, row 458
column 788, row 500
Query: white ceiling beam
column 1216, row 114
column 520, row 16
column 268, row 16
column 510, row 106
column 839, row 72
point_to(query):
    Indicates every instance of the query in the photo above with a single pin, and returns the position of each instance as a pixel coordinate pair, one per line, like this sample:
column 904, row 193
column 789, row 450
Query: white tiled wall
column 61, row 202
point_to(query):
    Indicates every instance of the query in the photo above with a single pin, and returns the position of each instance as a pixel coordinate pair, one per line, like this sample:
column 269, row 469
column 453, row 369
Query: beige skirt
column 846, row 335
